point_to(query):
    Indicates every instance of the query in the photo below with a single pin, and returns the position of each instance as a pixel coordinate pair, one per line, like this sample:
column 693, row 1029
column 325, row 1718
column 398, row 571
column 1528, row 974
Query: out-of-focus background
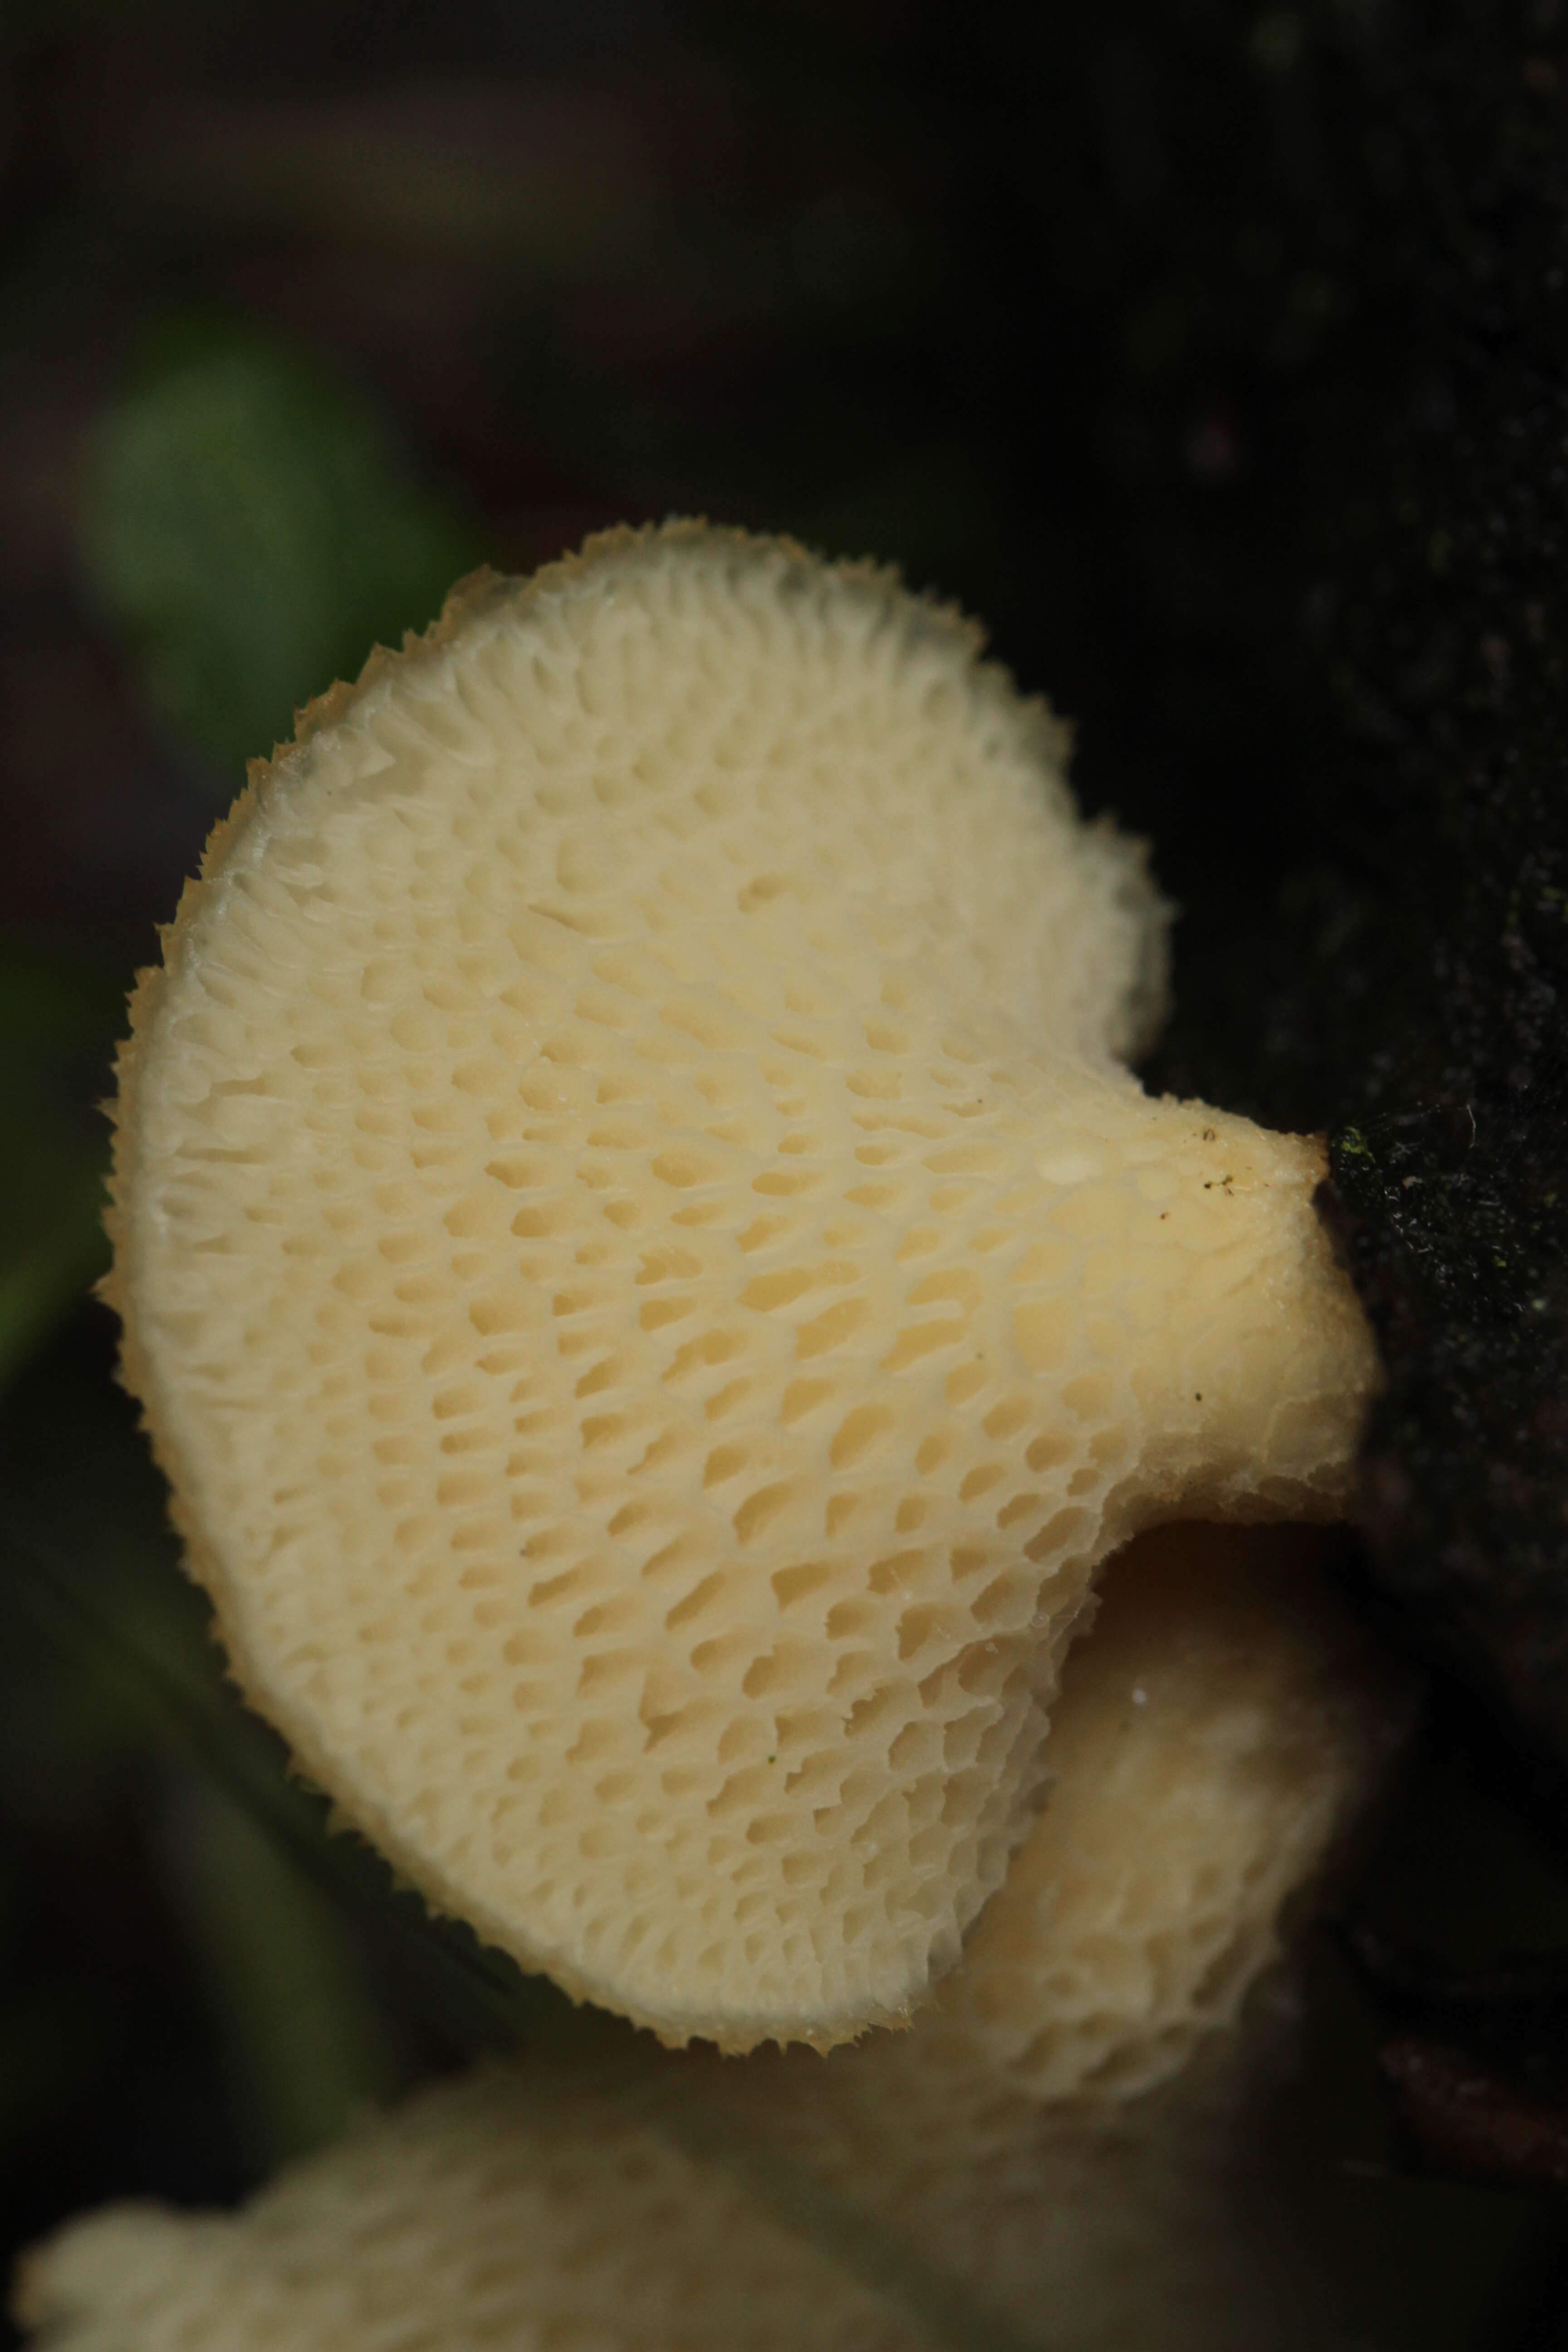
column 1087, row 318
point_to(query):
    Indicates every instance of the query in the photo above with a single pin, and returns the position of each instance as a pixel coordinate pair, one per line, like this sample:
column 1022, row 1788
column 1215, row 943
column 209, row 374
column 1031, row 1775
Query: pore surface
column 654, row 1290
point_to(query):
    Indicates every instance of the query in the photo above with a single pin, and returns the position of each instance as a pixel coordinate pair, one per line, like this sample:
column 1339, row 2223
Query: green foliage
column 57, row 1017
column 304, row 2046
column 57, row 1258
column 113, row 1685
column 253, row 527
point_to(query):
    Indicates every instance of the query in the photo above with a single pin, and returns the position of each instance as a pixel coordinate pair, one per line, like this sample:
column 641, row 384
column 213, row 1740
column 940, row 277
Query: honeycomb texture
column 502, row 2213
column 1007, row 2147
column 1067, row 2130
column 1218, row 1731
column 1217, row 1728
column 654, row 1290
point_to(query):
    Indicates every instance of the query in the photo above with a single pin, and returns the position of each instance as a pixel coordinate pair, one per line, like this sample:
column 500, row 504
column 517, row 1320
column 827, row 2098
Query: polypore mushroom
column 654, row 1288
column 1215, row 1734
column 506, row 2211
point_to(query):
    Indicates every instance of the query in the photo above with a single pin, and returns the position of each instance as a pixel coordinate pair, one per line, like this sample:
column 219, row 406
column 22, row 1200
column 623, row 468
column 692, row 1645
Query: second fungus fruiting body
column 1218, row 1729
column 1066, row 2130
column 655, row 1290
column 500, row 2214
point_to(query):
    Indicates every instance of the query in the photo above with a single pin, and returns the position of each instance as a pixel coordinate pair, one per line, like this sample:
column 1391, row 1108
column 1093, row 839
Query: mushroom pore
column 1003, row 2158
column 1068, row 2130
column 655, row 1289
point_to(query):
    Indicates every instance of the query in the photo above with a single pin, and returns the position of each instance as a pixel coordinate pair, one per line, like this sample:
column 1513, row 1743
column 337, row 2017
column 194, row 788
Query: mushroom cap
column 499, row 2211
column 654, row 1290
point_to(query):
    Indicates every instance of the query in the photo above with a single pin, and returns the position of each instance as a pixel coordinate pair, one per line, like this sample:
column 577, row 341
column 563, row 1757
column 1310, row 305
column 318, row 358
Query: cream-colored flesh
column 501, row 2214
column 1218, row 1727
column 656, row 1293
column 1055, row 2151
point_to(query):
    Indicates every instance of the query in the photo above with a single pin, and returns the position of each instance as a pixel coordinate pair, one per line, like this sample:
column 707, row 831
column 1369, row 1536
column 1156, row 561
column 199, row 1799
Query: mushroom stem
column 1253, row 1363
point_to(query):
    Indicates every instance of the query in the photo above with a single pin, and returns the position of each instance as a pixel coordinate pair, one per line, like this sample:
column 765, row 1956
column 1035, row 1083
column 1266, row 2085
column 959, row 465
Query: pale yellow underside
column 1215, row 1732
column 656, row 1293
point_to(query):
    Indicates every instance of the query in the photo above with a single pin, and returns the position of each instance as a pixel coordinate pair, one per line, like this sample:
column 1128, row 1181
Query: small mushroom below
column 1054, row 2154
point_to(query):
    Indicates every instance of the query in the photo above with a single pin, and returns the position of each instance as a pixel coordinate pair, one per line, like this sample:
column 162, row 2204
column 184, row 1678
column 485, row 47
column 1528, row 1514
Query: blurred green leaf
column 305, row 2046
column 58, row 1019
column 59, row 1015
column 254, row 528
column 141, row 1674
column 63, row 1253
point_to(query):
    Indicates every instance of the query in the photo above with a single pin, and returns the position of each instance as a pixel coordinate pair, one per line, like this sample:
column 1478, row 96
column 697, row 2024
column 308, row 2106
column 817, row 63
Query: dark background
column 1205, row 349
